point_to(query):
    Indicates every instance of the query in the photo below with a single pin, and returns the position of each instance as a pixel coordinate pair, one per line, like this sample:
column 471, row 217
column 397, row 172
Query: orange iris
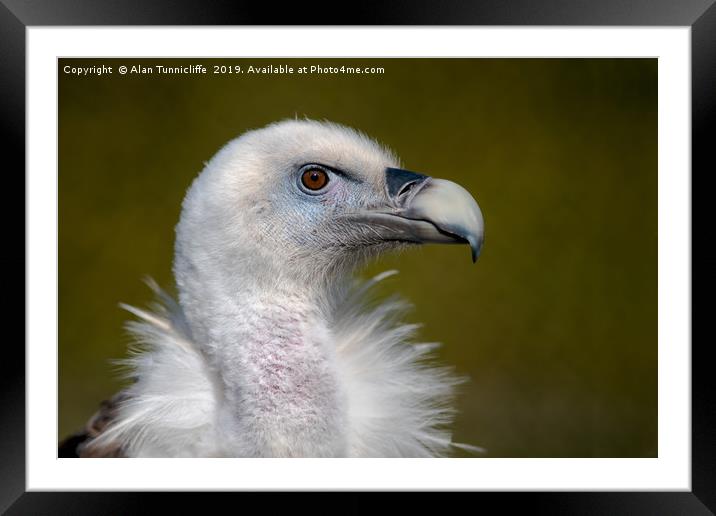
column 314, row 178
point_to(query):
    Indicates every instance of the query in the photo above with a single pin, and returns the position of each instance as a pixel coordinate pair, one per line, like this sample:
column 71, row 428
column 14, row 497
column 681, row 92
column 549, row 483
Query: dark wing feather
column 80, row 444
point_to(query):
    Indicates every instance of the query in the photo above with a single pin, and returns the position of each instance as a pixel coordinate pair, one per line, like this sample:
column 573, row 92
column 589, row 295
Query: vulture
column 273, row 348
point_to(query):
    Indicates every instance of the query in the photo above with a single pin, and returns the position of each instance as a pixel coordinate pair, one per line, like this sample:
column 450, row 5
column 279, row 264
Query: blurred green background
column 557, row 322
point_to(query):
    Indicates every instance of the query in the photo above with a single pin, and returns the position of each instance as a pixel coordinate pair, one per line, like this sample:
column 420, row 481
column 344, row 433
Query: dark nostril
column 406, row 188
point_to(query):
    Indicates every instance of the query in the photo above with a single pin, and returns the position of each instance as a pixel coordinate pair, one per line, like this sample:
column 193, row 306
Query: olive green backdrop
column 557, row 322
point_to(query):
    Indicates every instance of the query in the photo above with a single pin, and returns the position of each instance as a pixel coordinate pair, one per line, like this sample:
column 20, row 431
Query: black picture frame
column 700, row 15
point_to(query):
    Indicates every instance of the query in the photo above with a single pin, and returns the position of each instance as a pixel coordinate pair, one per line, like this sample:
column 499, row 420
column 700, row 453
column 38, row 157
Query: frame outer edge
column 12, row 69
column 703, row 98
column 12, row 360
column 370, row 12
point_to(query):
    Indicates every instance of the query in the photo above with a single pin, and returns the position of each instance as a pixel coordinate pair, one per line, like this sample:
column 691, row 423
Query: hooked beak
column 428, row 210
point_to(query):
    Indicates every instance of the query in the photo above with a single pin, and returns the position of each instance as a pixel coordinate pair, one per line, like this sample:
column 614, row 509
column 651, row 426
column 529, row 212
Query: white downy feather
column 398, row 403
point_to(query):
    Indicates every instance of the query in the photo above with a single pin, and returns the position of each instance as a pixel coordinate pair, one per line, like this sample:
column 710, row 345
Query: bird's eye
column 314, row 179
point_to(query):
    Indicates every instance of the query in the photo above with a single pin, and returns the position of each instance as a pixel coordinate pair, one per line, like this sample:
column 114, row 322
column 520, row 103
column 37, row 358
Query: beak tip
column 475, row 247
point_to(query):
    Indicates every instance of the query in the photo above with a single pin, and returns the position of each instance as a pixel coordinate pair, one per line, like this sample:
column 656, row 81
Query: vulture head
column 302, row 200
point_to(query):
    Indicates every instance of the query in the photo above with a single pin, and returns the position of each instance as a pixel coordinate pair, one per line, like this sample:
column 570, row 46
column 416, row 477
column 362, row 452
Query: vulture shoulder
column 168, row 410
